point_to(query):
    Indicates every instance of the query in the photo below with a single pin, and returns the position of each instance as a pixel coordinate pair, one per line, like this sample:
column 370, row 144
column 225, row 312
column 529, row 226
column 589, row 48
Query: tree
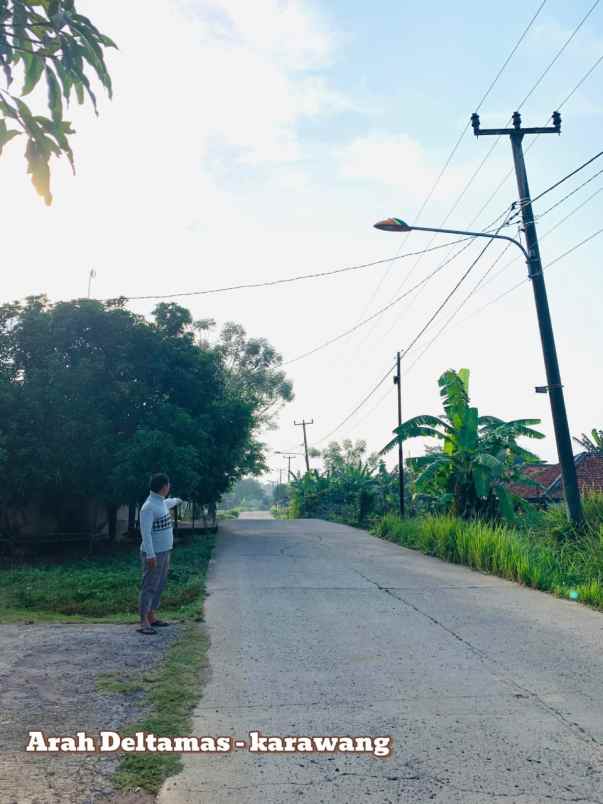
column 347, row 454
column 94, row 398
column 50, row 39
column 479, row 458
column 249, row 494
column 594, row 444
column 254, row 371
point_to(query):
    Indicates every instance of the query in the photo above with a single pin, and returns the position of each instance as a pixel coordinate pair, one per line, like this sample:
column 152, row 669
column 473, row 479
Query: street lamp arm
column 473, row 234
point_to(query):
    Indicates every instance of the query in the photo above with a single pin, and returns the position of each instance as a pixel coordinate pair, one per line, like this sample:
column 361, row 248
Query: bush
column 536, row 558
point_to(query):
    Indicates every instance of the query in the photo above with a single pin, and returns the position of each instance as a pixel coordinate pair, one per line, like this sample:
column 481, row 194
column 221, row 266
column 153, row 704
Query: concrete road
column 255, row 515
column 492, row 692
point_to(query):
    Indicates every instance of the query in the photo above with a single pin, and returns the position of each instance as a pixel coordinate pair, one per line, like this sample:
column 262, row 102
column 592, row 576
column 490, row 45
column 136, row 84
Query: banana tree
column 479, row 456
column 594, row 444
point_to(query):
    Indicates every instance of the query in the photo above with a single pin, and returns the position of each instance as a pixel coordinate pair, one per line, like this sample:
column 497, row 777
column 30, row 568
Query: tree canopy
column 479, row 459
column 47, row 39
column 94, row 398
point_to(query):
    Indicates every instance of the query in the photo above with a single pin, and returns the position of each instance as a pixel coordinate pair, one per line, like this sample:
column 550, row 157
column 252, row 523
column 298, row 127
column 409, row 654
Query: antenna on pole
column 91, row 276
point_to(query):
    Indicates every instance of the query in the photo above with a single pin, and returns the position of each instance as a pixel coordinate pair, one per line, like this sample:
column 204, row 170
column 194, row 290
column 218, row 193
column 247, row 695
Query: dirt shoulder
column 48, row 682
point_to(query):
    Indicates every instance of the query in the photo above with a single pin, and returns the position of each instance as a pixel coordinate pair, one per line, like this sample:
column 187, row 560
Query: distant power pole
column 289, row 472
column 304, row 424
column 554, row 387
column 398, row 382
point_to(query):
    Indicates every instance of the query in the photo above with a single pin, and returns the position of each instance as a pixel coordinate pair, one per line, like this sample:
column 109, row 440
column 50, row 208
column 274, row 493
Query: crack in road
column 578, row 731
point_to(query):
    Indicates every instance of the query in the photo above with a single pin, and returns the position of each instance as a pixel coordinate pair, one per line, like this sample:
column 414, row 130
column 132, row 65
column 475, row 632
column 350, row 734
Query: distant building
column 589, row 468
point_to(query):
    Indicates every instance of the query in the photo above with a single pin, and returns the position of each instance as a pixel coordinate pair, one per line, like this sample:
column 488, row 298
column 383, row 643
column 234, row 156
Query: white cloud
column 295, row 36
column 402, row 162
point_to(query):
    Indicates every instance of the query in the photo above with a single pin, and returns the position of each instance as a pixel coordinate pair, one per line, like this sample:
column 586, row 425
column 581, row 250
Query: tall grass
column 546, row 556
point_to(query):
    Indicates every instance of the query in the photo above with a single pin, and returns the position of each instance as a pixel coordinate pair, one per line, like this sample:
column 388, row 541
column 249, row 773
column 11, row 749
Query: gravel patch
column 48, row 679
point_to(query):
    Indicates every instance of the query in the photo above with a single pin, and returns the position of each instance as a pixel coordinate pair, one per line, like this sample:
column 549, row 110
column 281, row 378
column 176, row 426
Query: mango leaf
column 38, row 168
column 50, row 37
column 66, row 80
column 55, row 101
column 6, row 135
column 34, row 67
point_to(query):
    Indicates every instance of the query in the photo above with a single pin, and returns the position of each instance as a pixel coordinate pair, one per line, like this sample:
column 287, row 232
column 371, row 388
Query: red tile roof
column 589, row 469
column 544, row 474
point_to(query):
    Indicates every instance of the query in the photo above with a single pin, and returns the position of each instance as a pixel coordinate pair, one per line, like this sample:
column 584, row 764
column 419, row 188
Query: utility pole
column 398, row 382
column 304, row 424
column 289, row 459
column 289, row 456
column 553, row 375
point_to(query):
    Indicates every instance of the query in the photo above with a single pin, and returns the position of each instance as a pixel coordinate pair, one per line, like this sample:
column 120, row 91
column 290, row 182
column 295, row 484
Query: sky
column 258, row 141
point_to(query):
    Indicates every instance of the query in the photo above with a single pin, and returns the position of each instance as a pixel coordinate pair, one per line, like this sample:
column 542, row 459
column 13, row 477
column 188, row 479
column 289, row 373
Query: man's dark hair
column 158, row 481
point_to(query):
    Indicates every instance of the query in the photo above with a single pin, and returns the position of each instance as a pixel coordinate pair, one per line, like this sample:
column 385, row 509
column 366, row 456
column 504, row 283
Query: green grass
column 171, row 691
column 102, row 588
column 105, row 588
column 545, row 555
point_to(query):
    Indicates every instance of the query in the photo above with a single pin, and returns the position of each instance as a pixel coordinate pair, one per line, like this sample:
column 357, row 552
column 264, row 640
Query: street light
column 398, row 225
column 554, row 388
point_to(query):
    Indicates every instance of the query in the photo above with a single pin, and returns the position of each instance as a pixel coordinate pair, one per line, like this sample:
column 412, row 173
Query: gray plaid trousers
column 153, row 582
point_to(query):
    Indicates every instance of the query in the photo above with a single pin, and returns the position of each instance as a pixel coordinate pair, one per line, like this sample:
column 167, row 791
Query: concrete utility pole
column 398, row 382
column 289, row 456
column 304, row 424
column 289, row 459
column 554, row 387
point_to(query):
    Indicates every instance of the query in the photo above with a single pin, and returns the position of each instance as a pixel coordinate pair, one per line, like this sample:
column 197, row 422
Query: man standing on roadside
column 156, row 548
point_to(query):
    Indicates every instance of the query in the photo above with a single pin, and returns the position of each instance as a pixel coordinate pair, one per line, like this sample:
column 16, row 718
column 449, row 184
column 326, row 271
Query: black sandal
column 146, row 630
column 159, row 624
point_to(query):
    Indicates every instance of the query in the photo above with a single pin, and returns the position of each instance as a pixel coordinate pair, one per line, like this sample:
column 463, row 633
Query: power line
column 493, row 301
column 548, row 231
column 508, row 174
column 569, row 195
column 569, row 176
column 527, row 279
column 482, row 281
column 456, row 147
column 557, row 184
column 359, row 405
column 357, row 326
column 415, row 339
column 458, row 309
column 448, row 297
column 580, row 82
column 289, row 280
column 559, row 53
column 497, row 140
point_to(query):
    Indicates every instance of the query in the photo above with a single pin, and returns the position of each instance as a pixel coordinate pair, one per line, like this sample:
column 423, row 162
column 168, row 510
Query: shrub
column 535, row 558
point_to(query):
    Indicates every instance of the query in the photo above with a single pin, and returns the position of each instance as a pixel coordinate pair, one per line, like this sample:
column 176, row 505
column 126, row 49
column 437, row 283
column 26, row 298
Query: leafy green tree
column 47, row 39
column 592, row 445
column 248, row 494
column 479, row 457
column 352, row 489
column 347, row 454
column 94, row 398
column 254, row 371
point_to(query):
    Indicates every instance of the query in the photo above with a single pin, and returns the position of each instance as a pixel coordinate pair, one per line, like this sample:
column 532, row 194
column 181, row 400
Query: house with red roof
column 589, row 469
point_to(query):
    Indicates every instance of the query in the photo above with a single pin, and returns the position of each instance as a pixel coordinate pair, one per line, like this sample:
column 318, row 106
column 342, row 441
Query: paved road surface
column 492, row 692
